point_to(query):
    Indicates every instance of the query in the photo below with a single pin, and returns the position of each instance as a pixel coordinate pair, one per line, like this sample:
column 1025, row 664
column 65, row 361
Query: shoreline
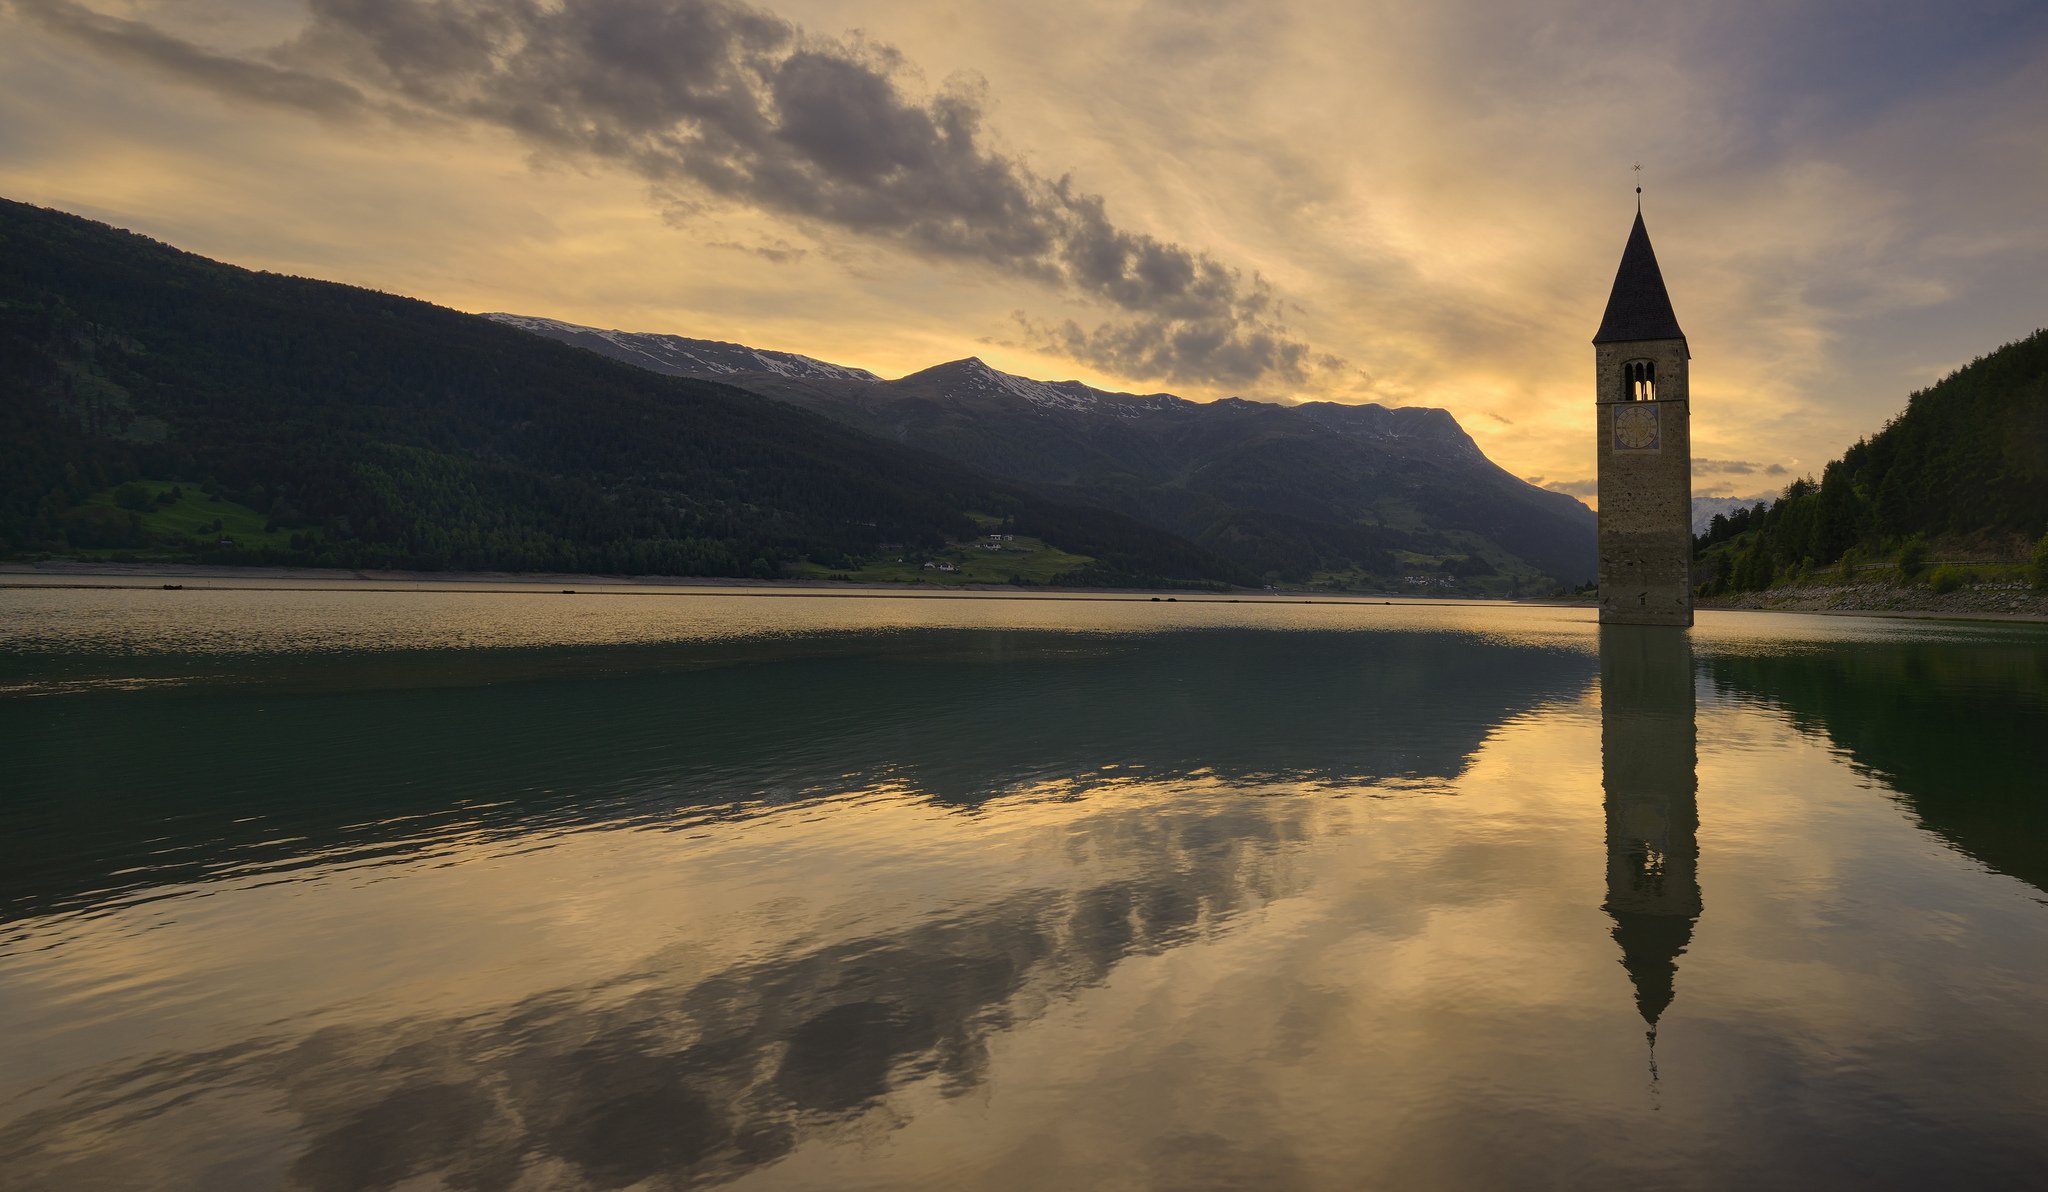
column 75, row 576
column 78, row 576
column 1893, row 600
column 1890, row 614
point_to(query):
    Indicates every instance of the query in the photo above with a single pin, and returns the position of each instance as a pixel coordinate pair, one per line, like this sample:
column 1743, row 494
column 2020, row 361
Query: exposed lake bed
column 350, row 889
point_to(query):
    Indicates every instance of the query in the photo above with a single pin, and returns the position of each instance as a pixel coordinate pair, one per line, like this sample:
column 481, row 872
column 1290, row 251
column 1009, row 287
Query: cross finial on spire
column 1638, row 168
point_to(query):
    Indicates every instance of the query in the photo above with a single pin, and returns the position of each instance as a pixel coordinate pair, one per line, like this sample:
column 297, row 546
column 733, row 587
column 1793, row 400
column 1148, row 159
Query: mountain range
column 165, row 406
column 160, row 405
column 1315, row 491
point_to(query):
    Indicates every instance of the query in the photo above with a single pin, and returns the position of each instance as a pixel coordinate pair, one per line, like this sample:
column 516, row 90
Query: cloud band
column 723, row 98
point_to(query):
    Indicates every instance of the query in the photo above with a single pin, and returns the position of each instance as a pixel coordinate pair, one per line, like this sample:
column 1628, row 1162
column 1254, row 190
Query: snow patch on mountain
column 1704, row 509
column 976, row 375
column 683, row 356
column 973, row 377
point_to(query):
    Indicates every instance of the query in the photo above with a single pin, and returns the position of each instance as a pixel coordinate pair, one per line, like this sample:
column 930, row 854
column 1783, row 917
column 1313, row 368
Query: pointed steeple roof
column 1638, row 308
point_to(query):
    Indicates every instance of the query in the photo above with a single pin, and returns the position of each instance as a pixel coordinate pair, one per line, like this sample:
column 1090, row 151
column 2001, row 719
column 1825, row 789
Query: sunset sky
column 1416, row 204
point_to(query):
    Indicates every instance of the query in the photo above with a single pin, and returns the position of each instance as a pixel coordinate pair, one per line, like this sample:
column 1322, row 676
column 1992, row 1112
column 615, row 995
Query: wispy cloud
column 1572, row 488
column 1738, row 467
column 780, row 252
column 720, row 98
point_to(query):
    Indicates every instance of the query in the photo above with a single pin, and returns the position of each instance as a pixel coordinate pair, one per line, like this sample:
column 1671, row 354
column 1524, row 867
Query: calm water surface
column 523, row 890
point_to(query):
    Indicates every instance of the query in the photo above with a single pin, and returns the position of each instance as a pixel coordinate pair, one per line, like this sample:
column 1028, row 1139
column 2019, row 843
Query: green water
column 340, row 890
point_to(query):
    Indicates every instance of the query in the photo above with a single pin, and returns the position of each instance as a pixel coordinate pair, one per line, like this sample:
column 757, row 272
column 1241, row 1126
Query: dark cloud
column 1571, row 488
column 711, row 96
column 1739, row 467
column 135, row 41
column 1215, row 349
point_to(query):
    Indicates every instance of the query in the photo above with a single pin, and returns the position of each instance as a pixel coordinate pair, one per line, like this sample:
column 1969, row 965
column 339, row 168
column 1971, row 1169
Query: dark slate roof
column 1638, row 308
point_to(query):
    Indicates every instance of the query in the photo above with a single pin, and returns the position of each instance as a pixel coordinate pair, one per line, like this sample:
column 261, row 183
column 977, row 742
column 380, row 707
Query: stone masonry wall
column 1645, row 495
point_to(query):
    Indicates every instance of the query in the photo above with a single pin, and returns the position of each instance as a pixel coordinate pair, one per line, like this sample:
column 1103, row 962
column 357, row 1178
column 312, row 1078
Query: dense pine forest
column 161, row 405
column 1962, row 470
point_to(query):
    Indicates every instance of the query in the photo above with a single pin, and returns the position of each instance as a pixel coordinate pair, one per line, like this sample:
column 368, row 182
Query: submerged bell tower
column 1645, row 446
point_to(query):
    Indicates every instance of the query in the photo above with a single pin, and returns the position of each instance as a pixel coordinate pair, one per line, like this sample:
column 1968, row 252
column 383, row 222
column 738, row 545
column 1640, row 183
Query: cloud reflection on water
column 656, row 1072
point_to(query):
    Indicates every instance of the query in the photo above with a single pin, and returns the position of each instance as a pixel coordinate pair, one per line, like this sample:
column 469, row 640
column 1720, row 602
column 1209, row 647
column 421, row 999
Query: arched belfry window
column 1639, row 381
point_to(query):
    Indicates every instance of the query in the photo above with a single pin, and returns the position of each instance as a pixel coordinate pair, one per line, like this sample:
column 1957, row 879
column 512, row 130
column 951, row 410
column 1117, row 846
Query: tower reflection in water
column 1648, row 765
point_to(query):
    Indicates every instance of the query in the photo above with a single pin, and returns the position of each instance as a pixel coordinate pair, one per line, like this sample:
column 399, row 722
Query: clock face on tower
column 1635, row 427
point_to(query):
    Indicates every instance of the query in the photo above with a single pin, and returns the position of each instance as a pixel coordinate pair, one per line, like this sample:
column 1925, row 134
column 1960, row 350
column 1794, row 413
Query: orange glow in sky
column 1401, row 203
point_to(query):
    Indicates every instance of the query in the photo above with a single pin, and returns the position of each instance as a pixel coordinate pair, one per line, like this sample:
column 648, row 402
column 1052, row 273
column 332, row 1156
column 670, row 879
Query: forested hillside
column 363, row 429
column 1966, row 464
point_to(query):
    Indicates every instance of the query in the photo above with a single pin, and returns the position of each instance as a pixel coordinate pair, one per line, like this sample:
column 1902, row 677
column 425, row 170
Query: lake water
column 525, row 890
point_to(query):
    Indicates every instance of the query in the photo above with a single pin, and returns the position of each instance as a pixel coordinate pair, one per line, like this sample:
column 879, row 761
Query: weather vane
column 1638, row 168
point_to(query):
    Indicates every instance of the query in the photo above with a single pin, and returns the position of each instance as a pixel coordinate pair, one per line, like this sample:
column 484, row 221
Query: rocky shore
column 1985, row 601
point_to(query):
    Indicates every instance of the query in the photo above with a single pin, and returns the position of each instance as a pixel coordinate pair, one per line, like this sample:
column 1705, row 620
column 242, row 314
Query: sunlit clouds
column 1399, row 203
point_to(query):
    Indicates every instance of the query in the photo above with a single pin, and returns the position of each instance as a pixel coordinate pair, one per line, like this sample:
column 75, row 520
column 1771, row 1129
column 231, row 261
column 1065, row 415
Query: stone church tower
column 1645, row 448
